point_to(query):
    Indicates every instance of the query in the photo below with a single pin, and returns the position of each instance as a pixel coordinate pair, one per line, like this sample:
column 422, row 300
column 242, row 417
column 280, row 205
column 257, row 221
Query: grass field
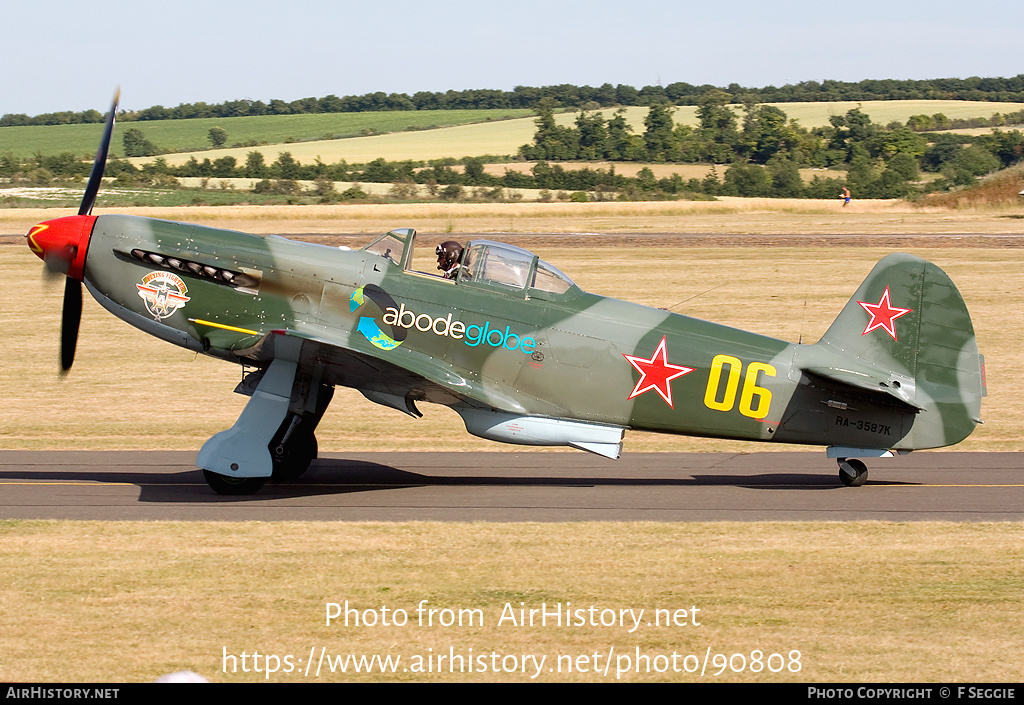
column 727, row 216
column 859, row 601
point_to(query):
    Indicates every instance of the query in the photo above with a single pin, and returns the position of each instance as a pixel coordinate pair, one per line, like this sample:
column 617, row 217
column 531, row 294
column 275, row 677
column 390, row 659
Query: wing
column 419, row 377
column 492, row 412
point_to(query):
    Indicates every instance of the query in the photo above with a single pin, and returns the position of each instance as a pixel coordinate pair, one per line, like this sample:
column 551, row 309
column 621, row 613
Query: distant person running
column 845, row 195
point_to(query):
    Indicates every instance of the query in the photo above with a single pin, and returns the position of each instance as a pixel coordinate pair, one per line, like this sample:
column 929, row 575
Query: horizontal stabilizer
column 873, row 383
column 607, row 450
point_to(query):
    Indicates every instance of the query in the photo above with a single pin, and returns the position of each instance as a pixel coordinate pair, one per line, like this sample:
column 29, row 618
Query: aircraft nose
column 62, row 243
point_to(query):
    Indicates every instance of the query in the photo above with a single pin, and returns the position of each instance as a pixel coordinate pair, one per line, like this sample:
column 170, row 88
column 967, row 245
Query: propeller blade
column 93, row 187
column 70, row 321
column 56, row 264
column 51, row 276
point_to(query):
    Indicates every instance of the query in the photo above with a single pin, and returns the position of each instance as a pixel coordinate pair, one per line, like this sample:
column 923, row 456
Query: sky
column 71, row 55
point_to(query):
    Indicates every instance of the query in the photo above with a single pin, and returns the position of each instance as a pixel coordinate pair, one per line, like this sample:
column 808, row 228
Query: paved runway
column 514, row 486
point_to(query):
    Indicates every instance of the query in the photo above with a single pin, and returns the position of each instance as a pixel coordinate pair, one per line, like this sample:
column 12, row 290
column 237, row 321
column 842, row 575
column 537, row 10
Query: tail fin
column 907, row 332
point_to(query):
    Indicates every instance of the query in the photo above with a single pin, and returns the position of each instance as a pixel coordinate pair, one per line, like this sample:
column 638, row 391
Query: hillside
column 420, row 135
column 506, row 136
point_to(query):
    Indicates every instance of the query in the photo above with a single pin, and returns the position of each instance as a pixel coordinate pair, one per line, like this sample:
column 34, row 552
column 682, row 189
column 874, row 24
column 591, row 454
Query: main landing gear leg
column 852, row 472
column 294, row 446
column 237, row 461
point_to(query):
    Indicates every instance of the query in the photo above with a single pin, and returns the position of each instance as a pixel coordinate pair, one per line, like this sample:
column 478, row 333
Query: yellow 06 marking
column 715, row 380
column 754, row 400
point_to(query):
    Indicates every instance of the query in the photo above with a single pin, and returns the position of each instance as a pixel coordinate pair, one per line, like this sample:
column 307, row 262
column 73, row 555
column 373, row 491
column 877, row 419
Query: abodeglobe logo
column 401, row 319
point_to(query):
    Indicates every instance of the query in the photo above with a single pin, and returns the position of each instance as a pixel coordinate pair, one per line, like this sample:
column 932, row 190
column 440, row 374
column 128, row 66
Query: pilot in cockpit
column 449, row 253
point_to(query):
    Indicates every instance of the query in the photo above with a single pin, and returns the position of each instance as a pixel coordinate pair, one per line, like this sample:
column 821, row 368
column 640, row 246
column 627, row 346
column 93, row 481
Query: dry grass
column 861, row 602
column 1001, row 189
column 742, row 216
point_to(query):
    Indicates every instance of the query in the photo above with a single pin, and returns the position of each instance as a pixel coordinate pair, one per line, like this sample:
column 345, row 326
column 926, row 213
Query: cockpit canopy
column 487, row 264
column 395, row 246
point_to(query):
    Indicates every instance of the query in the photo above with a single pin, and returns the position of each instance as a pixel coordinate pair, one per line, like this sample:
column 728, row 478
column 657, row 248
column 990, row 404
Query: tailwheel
column 293, row 448
column 852, row 472
column 223, row 484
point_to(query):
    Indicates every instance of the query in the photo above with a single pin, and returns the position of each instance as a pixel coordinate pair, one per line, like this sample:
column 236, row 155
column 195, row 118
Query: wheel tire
column 222, row 484
column 852, row 472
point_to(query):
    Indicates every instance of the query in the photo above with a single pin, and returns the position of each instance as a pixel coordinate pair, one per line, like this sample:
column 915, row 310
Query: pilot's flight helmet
column 448, row 254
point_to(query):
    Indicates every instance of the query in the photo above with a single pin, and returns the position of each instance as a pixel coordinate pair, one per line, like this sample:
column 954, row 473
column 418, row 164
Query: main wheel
column 852, row 472
column 294, row 446
column 293, row 458
column 223, row 484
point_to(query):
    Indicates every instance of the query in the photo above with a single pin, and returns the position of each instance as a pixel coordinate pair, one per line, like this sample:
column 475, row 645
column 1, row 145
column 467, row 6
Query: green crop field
column 184, row 135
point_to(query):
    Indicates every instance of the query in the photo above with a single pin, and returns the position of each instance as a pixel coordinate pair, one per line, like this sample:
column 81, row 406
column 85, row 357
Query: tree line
column 566, row 96
column 765, row 149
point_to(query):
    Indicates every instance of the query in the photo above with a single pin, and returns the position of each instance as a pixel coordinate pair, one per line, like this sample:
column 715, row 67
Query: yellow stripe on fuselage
column 211, row 324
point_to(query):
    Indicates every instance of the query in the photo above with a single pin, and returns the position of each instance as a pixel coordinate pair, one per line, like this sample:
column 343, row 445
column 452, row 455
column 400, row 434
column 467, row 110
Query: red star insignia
column 883, row 314
column 656, row 373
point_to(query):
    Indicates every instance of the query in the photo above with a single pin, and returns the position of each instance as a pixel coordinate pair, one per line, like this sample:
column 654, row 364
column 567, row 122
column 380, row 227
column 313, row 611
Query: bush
column 404, row 190
column 824, row 188
column 354, row 193
column 284, row 187
column 746, row 180
column 136, row 144
column 452, row 192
